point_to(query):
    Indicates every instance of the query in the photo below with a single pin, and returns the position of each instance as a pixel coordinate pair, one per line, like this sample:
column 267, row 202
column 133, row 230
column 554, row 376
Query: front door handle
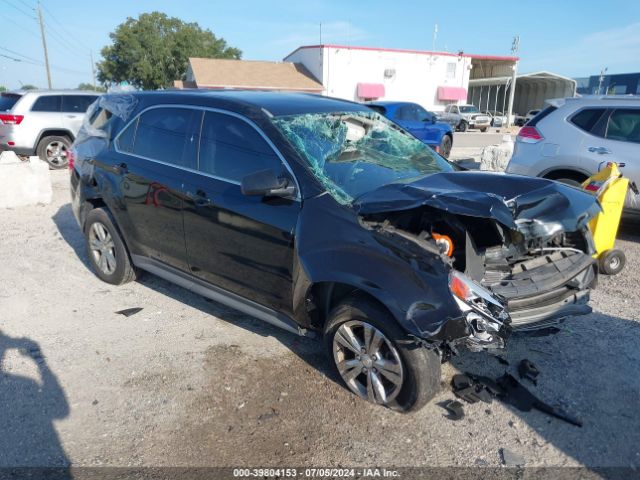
column 123, row 168
column 599, row 150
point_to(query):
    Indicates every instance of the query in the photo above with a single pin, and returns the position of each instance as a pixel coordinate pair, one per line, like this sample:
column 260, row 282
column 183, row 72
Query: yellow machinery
column 611, row 189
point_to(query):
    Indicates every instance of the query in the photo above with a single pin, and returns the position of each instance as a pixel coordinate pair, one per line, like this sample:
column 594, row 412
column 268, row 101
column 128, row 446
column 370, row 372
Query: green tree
column 3, row 88
column 28, row 86
column 88, row 86
column 153, row 50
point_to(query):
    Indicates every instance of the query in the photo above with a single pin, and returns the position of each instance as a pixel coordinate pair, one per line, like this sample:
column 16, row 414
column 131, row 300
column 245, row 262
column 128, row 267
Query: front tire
column 463, row 126
column 107, row 253
column 53, row 150
column 377, row 360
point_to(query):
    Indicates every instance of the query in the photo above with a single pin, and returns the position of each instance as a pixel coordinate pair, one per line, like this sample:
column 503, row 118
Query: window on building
column 232, row 149
column 451, row 70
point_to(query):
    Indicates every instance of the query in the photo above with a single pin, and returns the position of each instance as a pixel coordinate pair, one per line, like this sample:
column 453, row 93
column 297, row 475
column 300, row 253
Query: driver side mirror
column 266, row 183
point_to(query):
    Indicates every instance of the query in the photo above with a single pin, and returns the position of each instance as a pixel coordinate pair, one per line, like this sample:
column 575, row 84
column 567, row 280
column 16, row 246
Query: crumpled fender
column 410, row 282
column 536, row 207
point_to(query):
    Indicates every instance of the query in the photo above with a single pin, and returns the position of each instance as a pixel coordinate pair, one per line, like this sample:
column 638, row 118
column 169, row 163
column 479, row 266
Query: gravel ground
column 188, row 382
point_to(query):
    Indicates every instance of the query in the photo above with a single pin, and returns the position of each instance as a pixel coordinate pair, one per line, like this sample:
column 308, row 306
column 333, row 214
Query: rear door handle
column 599, row 150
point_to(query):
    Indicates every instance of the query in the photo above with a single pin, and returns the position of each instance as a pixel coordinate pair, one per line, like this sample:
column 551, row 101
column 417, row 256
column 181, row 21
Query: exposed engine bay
column 502, row 279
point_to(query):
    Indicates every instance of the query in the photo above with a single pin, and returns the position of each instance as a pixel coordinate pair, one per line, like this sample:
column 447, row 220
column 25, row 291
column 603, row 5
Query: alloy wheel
column 368, row 362
column 56, row 153
column 102, row 248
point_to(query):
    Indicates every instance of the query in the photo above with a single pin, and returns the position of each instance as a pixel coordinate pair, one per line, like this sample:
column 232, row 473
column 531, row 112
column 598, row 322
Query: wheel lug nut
column 363, row 350
column 364, row 369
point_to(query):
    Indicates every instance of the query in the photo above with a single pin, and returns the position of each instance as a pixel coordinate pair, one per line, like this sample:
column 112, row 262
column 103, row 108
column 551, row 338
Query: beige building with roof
column 248, row 74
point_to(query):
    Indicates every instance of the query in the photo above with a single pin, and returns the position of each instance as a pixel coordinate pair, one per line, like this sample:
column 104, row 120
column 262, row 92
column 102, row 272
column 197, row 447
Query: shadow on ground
column 28, row 408
column 589, row 368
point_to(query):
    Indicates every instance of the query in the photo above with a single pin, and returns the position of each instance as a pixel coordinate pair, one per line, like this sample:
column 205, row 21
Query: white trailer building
column 432, row 79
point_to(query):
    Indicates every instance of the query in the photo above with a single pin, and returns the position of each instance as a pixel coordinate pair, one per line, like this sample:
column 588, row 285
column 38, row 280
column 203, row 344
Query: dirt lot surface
column 189, row 382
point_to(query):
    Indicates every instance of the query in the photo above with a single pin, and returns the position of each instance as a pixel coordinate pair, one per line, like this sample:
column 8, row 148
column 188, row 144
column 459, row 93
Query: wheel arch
column 57, row 132
column 574, row 173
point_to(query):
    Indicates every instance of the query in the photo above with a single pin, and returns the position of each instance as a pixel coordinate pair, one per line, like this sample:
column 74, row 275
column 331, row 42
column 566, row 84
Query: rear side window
column 407, row 112
column 77, row 103
column 7, row 101
column 588, row 118
column 543, row 113
column 231, row 149
column 162, row 135
column 624, row 125
column 47, row 103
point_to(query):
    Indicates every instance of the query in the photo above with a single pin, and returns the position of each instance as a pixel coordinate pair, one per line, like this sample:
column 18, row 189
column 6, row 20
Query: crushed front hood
column 534, row 206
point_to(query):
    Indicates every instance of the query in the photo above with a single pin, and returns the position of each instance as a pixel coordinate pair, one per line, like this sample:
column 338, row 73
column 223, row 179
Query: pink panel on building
column 452, row 93
column 371, row 90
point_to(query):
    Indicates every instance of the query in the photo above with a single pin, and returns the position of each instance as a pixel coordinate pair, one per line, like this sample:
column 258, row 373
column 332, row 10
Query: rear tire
column 611, row 262
column 53, row 150
column 419, row 369
column 445, row 146
column 107, row 253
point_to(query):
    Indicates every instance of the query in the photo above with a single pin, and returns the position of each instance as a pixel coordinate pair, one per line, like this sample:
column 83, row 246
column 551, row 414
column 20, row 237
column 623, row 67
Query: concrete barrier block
column 495, row 158
column 23, row 182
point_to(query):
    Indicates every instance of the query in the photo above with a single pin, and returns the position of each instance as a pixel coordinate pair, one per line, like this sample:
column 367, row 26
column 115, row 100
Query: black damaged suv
column 322, row 217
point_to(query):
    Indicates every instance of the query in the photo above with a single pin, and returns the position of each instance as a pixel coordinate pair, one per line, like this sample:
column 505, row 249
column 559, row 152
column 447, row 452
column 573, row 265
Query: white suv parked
column 573, row 138
column 43, row 123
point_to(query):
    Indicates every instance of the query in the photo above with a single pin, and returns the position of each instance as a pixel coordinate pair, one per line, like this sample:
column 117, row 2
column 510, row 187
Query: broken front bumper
column 546, row 289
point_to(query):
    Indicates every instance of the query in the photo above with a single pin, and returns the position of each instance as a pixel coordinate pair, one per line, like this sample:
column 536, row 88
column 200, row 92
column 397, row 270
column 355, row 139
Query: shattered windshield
column 352, row 153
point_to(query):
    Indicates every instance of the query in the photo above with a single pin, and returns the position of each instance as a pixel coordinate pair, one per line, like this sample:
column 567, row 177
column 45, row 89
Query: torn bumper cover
column 536, row 278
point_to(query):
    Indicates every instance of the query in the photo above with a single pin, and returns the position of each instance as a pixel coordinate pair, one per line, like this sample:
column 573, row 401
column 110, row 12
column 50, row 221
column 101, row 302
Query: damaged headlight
column 485, row 315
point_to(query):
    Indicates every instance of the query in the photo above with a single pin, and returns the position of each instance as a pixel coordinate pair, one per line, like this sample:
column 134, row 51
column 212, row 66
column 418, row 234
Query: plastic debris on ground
column 127, row 312
column 528, row 371
column 454, row 408
column 508, row 389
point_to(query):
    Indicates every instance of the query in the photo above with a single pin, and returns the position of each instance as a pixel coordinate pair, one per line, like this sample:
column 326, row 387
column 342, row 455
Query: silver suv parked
column 572, row 138
column 43, row 123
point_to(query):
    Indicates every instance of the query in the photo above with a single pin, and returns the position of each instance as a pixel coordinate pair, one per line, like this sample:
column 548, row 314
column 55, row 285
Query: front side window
column 231, row 149
column 469, row 109
column 624, row 125
column 77, row 103
column 162, row 135
column 47, row 103
column 352, row 153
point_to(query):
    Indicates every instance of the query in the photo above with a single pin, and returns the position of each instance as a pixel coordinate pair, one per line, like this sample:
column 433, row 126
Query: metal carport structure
column 532, row 89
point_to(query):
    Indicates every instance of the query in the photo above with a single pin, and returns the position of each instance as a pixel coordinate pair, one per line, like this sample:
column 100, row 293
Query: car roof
column 55, row 92
column 274, row 103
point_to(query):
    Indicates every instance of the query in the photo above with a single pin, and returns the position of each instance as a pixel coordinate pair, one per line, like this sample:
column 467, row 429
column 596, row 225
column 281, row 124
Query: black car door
column 243, row 244
column 153, row 153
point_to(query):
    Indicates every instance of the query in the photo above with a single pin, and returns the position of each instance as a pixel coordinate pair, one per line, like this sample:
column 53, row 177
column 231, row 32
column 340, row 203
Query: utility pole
column 93, row 69
column 435, row 37
column 44, row 45
column 512, row 91
column 601, row 80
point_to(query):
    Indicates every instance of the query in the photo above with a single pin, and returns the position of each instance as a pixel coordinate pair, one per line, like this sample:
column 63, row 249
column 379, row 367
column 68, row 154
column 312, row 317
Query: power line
column 19, row 9
column 19, row 54
column 62, row 26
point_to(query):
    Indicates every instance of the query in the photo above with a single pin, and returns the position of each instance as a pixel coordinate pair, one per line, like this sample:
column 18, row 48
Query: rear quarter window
column 7, row 101
column 587, row 119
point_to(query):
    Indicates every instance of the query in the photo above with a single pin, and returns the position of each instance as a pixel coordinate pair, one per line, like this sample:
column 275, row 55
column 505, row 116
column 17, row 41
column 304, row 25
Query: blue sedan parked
column 420, row 122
